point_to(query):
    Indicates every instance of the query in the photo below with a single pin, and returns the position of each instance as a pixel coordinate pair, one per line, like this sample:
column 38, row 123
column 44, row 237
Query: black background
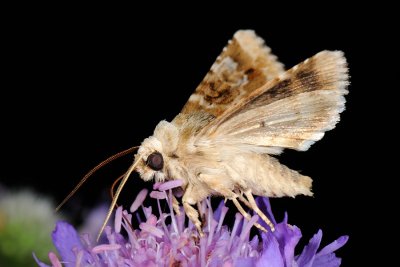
column 79, row 86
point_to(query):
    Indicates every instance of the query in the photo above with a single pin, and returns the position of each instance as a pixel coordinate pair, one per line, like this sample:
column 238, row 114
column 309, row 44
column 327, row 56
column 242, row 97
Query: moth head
column 154, row 153
column 150, row 158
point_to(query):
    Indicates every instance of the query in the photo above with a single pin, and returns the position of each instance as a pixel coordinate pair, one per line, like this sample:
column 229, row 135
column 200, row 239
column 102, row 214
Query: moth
column 246, row 110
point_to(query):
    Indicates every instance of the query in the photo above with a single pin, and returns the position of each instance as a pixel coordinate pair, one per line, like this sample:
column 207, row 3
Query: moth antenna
column 114, row 184
column 114, row 201
column 92, row 171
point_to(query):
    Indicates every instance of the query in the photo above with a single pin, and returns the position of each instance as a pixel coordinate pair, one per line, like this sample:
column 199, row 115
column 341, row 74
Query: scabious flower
column 170, row 240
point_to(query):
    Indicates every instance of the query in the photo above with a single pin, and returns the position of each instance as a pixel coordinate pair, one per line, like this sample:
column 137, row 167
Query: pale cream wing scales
column 292, row 111
column 244, row 65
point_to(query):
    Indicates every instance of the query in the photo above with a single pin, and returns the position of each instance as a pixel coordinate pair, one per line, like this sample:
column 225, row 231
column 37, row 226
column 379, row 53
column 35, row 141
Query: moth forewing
column 244, row 65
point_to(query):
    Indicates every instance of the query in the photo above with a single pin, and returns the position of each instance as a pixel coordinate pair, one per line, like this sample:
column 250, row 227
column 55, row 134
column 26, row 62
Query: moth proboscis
column 246, row 109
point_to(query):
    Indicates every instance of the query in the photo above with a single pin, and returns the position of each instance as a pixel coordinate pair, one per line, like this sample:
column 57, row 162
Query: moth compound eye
column 155, row 161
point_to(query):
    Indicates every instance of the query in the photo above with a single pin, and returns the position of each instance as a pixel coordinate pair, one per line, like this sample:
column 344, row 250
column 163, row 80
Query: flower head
column 167, row 239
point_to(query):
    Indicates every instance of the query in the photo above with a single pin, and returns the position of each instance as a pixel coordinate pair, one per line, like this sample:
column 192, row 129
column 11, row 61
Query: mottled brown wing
column 244, row 65
column 292, row 111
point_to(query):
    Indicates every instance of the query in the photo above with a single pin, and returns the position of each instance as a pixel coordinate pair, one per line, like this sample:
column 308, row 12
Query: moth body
column 210, row 168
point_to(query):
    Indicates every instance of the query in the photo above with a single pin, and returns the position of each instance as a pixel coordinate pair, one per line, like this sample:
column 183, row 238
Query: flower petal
column 217, row 212
column 329, row 260
column 326, row 257
column 335, row 245
column 65, row 238
column 287, row 236
column 271, row 255
column 306, row 258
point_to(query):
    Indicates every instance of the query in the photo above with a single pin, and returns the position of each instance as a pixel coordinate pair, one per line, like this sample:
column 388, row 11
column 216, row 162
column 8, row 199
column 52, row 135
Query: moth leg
column 246, row 215
column 193, row 215
column 202, row 215
column 244, row 200
column 175, row 205
column 228, row 194
column 254, row 206
column 251, row 203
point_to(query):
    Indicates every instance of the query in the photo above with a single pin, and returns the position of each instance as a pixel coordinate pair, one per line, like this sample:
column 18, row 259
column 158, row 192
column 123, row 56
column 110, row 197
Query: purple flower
column 169, row 240
column 278, row 246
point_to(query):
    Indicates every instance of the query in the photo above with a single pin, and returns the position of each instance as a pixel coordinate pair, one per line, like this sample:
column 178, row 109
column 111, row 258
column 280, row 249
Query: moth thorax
column 168, row 135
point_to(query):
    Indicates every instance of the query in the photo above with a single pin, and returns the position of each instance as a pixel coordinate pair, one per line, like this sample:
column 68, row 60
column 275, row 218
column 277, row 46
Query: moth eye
column 155, row 161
